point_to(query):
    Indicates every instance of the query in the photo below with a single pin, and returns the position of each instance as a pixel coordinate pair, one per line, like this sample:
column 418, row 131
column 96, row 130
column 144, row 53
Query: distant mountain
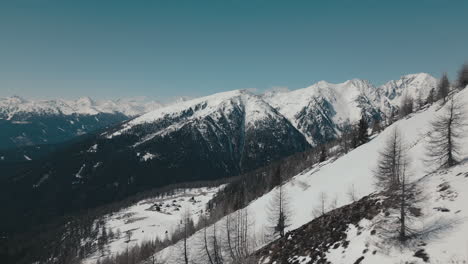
column 28, row 122
column 416, row 86
column 322, row 110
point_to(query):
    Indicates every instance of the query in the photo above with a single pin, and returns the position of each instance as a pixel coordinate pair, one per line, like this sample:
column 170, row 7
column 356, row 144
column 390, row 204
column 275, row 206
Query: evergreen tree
column 443, row 87
column 430, row 97
column 407, row 105
column 377, row 126
column 323, row 153
column 463, row 76
column 363, row 134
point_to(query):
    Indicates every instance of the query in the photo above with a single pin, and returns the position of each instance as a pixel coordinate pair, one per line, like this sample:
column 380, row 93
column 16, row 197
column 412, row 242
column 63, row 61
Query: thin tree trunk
column 228, row 234
column 185, row 244
column 206, row 245
column 402, row 210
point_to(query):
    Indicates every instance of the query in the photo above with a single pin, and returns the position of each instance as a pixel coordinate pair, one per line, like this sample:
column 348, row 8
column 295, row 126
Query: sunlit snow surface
column 145, row 223
column 335, row 177
column 216, row 105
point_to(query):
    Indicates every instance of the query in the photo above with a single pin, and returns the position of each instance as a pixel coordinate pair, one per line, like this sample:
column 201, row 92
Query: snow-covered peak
column 322, row 109
column 343, row 96
column 217, row 105
column 15, row 106
column 85, row 101
column 205, row 104
column 416, row 86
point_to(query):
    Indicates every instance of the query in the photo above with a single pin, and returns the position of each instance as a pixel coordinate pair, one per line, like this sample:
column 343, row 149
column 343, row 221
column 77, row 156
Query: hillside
column 354, row 170
column 351, row 235
column 152, row 218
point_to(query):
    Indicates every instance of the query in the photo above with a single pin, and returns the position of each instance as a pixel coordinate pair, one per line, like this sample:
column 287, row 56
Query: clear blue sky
column 163, row 49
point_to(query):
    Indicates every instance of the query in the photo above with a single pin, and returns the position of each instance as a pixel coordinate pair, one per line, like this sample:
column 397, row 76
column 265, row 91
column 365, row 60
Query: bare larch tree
column 392, row 175
column 444, row 145
column 321, row 208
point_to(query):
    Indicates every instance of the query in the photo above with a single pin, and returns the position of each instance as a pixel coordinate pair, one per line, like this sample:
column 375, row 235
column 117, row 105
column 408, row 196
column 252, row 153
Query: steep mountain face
column 323, row 110
column 202, row 139
column 417, row 86
column 26, row 122
column 240, row 128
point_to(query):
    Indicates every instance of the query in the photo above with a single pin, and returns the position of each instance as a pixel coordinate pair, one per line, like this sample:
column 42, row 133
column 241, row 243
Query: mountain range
column 207, row 138
column 36, row 122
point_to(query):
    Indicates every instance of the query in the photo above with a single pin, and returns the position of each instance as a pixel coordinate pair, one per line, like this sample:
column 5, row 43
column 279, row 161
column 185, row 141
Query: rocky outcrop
column 314, row 239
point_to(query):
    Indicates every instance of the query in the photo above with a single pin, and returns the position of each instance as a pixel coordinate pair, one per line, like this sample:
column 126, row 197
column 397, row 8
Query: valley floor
column 152, row 218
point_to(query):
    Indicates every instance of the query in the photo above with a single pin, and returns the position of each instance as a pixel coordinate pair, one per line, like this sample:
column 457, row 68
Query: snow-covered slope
column 355, row 169
column 444, row 207
column 151, row 218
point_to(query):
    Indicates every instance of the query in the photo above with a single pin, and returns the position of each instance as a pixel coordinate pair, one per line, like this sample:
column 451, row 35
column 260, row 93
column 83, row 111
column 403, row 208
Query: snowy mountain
column 239, row 126
column 202, row 139
column 28, row 122
column 322, row 110
column 18, row 109
column 417, row 86
column 347, row 234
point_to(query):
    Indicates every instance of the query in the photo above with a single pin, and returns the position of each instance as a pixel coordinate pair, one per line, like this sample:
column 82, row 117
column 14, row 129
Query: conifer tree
column 362, row 133
column 463, row 76
column 443, row 87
